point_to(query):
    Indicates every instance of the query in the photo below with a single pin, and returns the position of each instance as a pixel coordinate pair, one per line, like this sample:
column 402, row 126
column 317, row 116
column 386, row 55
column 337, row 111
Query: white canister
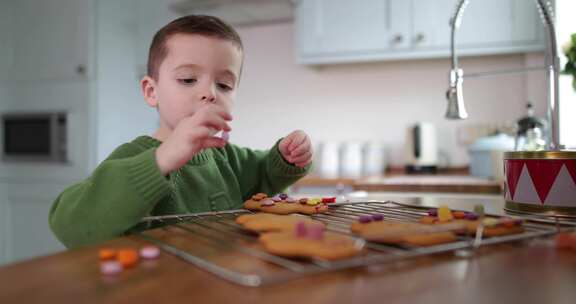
column 328, row 161
column 351, row 160
column 374, row 159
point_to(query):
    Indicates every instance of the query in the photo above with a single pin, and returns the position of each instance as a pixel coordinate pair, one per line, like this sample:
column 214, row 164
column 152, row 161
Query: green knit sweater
column 128, row 186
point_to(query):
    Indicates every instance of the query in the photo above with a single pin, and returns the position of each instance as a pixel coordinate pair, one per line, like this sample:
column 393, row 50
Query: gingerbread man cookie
column 283, row 204
column 471, row 221
column 266, row 222
column 311, row 241
column 376, row 229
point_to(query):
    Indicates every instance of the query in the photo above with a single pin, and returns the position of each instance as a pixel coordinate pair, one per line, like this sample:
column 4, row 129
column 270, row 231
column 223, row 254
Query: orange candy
column 106, row 254
column 459, row 214
column 127, row 257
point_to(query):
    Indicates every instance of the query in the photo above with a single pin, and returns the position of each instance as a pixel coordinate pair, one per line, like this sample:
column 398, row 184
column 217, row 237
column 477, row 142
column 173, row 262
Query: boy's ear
column 148, row 86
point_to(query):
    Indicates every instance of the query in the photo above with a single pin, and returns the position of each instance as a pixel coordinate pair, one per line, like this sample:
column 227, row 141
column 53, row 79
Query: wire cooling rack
column 215, row 243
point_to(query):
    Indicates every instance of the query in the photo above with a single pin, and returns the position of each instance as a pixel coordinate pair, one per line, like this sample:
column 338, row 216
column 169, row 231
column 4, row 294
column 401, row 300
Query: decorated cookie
column 406, row 233
column 310, row 241
column 266, row 222
column 283, row 204
column 471, row 220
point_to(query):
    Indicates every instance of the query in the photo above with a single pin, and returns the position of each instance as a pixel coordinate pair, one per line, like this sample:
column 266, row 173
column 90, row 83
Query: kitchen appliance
column 535, row 181
column 421, row 148
column 34, row 136
column 374, row 159
column 487, row 154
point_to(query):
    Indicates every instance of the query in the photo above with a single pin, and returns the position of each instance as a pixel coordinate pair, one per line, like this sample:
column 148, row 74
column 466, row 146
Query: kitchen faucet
column 456, row 108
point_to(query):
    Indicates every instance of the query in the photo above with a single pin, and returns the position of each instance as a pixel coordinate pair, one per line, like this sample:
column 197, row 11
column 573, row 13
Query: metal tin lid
column 540, row 155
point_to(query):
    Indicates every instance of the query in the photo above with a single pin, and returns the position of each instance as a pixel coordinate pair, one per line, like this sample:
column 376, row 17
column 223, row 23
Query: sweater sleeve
column 123, row 189
column 263, row 171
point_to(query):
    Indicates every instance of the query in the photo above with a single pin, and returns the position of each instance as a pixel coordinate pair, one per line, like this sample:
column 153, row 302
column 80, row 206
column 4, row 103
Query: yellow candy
column 490, row 222
column 444, row 214
column 313, row 201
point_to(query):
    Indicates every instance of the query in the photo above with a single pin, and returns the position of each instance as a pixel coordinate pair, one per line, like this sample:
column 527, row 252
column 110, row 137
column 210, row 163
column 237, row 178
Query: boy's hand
column 296, row 148
column 192, row 135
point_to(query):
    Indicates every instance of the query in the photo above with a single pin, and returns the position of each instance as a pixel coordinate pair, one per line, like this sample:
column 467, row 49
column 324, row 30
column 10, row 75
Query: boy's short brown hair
column 192, row 24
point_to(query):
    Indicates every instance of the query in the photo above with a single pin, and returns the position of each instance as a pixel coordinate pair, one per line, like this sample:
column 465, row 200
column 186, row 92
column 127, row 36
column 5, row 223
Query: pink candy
column 149, row 252
column 310, row 231
column 267, row 202
column 110, row 267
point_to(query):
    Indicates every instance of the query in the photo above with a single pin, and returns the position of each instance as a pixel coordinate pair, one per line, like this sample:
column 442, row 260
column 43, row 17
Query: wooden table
column 532, row 272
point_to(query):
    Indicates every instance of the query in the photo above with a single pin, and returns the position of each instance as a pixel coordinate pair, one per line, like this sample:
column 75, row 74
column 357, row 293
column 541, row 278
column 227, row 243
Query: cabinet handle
column 419, row 38
column 397, row 39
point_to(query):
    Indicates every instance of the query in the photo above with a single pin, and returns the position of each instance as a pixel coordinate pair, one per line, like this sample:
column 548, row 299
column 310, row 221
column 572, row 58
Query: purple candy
column 377, row 217
column 300, row 230
column 290, row 200
column 276, row 198
column 110, row 267
column 225, row 136
column 471, row 216
column 267, row 202
column 433, row 212
column 283, row 196
column 365, row 219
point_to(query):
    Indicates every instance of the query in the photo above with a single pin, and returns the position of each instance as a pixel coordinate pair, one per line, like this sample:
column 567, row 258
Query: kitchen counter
column 529, row 272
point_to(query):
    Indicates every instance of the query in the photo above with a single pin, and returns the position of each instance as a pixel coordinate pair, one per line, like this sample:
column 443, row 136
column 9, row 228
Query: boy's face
column 197, row 69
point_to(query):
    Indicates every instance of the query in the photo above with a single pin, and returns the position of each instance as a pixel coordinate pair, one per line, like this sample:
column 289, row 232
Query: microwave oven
column 34, row 136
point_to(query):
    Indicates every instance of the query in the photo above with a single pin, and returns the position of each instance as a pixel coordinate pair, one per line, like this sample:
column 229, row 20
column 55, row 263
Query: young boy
column 194, row 67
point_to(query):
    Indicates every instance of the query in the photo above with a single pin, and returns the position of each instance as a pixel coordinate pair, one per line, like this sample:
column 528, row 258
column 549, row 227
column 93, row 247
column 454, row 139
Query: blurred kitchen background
column 366, row 80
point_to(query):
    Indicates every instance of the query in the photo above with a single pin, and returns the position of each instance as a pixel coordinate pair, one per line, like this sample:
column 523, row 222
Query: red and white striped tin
column 540, row 181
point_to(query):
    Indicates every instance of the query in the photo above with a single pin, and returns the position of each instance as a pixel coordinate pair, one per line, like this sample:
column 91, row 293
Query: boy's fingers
column 213, row 142
column 220, row 110
column 216, row 122
column 301, row 158
column 284, row 144
column 302, row 164
column 298, row 139
column 299, row 150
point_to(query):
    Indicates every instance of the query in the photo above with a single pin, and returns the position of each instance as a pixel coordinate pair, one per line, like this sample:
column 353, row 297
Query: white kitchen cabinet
column 347, row 31
column 51, row 39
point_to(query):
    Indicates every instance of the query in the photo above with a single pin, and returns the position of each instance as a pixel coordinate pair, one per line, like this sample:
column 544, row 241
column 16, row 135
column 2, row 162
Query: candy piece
column 566, row 240
column 459, row 214
column 479, row 210
column 225, row 135
column 471, row 216
column 127, row 257
column 149, row 252
column 313, row 201
column 110, row 267
column 303, row 200
column 290, row 200
column 267, row 202
column 365, row 219
column 433, row 212
column 489, row 222
column 300, row 230
column 377, row 217
column 106, row 254
column 315, row 232
column 508, row 222
column 276, row 198
column 444, row 214
column 328, row 200
column 283, row 196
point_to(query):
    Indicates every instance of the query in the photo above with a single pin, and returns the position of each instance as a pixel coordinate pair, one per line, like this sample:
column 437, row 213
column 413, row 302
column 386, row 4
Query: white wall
column 124, row 31
column 372, row 101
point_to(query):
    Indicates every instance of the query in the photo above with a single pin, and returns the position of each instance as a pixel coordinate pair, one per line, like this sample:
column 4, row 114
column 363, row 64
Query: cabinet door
column 485, row 24
column 334, row 27
column 51, row 39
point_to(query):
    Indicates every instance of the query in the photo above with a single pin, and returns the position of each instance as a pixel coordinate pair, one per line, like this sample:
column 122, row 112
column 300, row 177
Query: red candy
column 328, row 200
